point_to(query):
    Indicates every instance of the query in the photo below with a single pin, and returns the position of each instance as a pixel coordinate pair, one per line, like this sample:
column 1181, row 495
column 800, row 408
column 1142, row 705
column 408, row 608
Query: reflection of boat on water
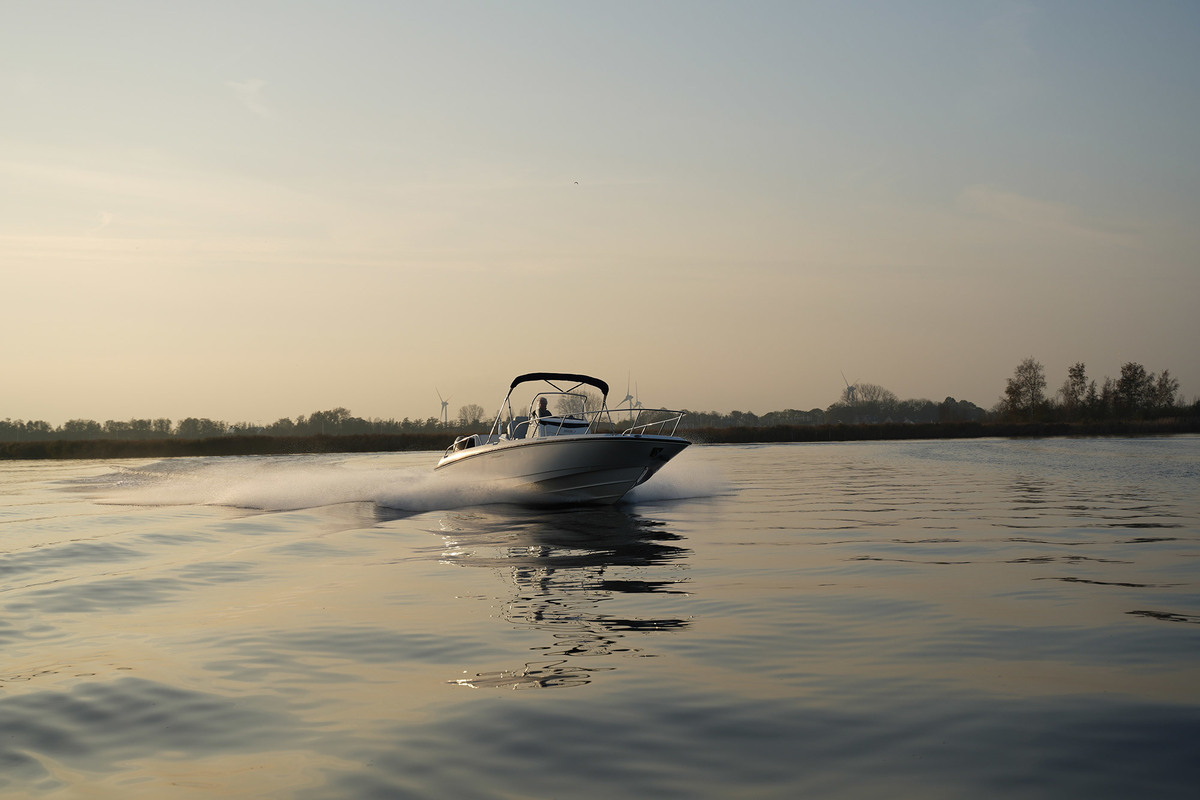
column 566, row 566
column 575, row 453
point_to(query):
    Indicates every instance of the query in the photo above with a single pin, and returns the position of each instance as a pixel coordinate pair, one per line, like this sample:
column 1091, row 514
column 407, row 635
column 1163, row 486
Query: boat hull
column 590, row 468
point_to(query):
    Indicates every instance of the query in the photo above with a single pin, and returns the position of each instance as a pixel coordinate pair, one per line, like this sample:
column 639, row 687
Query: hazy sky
column 250, row 210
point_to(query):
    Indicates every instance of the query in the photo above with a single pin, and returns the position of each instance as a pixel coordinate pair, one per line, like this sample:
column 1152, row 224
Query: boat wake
column 296, row 483
column 682, row 479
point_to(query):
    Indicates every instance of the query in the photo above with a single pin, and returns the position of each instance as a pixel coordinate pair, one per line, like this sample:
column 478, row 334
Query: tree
column 1092, row 401
column 1107, row 401
column 874, row 394
column 328, row 422
column 951, row 410
column 471, row 414
column 75, row 429
column 916, row 410
column 117, row 429
column 1165, row 391
column 1074, row 389
column 38, row 429
column 1135, row 389
column 577, row 402
column 868, row 394
column 193, row 428
column 282, row 427
column 1024, row 396
column 864, row 403
column 789, row 416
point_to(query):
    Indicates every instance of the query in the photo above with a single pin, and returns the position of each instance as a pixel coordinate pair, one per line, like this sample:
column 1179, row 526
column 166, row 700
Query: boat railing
column 471, row 440
column 620, row 421
column 651, row 421
column 661, row 422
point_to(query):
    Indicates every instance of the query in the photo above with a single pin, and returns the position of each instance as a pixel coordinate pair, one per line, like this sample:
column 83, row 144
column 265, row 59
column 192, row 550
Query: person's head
column 541, row 402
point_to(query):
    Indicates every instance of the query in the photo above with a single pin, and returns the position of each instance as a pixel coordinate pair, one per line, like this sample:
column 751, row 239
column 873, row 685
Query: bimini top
column 560, row 376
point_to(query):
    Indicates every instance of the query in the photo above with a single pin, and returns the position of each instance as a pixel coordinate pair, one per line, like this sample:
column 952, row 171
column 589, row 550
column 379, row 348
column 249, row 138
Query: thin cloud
column 1060, row 218
column 106, row 219
column 249, row 94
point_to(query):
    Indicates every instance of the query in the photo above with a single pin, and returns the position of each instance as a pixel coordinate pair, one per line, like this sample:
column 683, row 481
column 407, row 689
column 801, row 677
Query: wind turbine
column 628, row 397
column 851, row 390
column 445, row 405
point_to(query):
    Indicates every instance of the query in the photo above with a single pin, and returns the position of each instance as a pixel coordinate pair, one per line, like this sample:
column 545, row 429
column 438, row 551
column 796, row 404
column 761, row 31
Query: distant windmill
column 851, row 390
column 445, row 406
column 628, row 397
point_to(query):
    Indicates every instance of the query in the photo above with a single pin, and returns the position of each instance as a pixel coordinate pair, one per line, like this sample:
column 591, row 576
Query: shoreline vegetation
column 259, row 445
column 1139, row 403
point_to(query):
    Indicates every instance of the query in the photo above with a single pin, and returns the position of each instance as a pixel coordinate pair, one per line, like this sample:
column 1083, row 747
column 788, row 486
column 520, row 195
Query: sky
column 253, row 210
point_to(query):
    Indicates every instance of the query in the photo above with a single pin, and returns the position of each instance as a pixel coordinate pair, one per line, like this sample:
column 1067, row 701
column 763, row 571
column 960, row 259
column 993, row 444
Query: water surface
column 928, row 619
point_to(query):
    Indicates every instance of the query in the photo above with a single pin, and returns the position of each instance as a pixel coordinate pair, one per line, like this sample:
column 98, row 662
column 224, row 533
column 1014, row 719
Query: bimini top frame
column 550, row 377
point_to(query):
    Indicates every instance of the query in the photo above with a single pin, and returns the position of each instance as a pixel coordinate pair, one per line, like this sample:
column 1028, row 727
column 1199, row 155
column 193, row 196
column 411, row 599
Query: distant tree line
column 1136, row 395
column 334, row 422
column 862, row 404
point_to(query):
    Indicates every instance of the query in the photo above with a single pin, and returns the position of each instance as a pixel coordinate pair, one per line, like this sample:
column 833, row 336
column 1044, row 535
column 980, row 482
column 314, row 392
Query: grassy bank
column 377, row 443
column 223, row 446
column 941, row 430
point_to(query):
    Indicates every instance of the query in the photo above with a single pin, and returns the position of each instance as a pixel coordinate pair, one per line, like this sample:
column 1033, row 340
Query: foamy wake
column 680, row 480
column 287, row 484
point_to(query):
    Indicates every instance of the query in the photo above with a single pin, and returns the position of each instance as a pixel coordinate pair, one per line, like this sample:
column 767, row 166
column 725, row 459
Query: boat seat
column 560, row 426
column 518, row 427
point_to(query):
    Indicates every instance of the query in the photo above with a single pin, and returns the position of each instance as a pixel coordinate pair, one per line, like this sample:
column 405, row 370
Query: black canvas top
column 560, row 376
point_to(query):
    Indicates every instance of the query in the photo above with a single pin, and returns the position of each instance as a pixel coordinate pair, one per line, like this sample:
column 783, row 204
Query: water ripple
column 99, row 726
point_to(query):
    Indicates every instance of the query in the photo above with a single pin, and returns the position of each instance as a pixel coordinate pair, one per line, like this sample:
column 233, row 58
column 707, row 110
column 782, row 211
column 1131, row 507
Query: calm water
column 935, row 619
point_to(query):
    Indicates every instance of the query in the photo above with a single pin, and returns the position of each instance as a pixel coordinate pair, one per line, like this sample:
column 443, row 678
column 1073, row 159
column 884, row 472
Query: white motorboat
column 566, row 445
